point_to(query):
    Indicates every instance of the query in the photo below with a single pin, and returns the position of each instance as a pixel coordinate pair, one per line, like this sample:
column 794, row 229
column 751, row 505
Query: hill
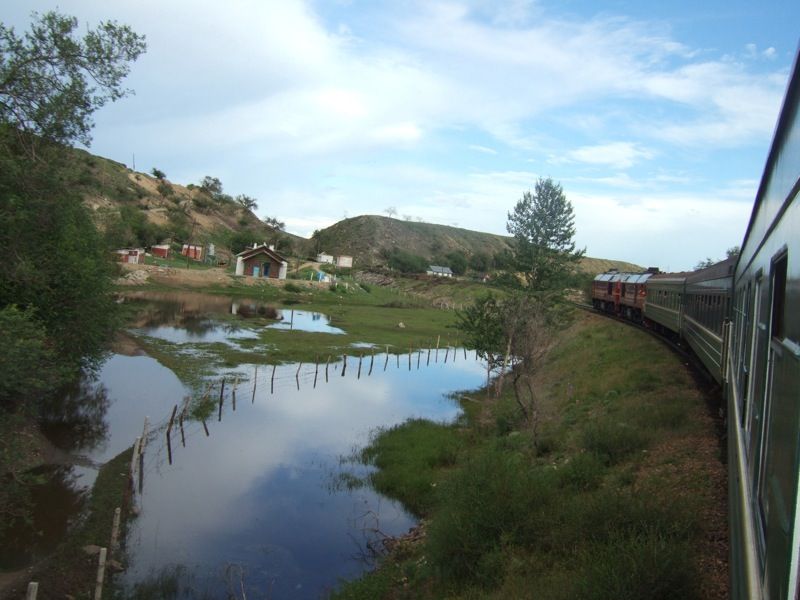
column 137, row 209
column 371, row 238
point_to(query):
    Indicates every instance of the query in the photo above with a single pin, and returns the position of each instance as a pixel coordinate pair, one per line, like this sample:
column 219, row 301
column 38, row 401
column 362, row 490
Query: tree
column 158, row 173
column 543, row 226
column 247, row 202
column 56, row 268
column 391, row 211
column 211, row 186
column 458, row 262
column 274, row 223
column 51, row 81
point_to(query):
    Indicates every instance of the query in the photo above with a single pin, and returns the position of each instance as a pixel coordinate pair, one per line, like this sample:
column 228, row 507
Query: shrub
column 645, row 565
column 292, row 287
column 613, row 441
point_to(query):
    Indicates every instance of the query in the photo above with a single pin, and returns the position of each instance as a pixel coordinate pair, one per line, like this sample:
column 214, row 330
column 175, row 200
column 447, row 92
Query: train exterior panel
column 664, row 304
column 764, row 388
column 706, row 310
column 633, row 293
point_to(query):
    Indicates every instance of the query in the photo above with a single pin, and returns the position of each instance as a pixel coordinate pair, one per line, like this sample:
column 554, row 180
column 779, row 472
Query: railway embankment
column 616, row 489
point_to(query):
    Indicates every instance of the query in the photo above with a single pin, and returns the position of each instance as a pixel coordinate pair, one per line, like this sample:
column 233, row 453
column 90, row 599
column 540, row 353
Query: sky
column 655, row 117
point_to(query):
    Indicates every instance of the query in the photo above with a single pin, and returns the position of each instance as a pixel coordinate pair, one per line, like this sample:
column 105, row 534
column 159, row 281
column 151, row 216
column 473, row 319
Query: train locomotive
column 741, row 319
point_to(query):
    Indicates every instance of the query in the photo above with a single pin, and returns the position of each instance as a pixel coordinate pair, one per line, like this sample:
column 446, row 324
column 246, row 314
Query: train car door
column 777, row 484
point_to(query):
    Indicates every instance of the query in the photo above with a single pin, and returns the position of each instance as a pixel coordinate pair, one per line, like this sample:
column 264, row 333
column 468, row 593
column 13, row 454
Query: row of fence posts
column 136, row 472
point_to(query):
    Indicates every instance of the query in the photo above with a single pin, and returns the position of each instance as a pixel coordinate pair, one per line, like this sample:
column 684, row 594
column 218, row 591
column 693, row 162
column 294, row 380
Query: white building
column 324, row 258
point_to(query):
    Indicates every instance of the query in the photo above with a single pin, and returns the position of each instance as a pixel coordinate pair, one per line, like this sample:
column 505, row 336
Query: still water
column 257, row 505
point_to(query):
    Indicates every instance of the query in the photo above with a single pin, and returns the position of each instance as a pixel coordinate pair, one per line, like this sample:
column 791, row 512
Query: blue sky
column 656, row 117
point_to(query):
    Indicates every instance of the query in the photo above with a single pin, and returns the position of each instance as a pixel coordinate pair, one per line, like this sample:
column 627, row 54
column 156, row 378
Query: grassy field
column 620, row 495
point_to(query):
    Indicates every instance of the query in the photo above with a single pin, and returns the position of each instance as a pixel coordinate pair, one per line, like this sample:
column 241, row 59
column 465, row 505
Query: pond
column 251, row 499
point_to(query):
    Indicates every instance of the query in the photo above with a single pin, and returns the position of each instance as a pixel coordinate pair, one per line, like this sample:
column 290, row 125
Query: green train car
column 741, row 317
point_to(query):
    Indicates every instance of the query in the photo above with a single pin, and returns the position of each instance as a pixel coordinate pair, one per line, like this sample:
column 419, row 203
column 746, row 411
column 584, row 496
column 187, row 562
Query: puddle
column 302, row 320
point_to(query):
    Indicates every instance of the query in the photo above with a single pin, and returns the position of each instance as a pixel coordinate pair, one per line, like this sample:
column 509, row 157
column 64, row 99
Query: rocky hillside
column 136, row 209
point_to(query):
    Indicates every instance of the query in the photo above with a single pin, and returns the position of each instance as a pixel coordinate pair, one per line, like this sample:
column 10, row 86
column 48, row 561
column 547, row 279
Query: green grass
column 609, row 503
column 416, row 451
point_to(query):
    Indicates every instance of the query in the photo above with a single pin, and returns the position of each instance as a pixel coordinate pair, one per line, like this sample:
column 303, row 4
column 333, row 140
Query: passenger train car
column 741, row 317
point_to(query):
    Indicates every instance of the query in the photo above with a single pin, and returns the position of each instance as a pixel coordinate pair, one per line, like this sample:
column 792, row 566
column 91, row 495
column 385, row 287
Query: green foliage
column 293, row 288
column 165, row 189
column 130, row 228
column 51, row 81
column 211, row 186
column 158, row 173
column 482, row 328
column 275, row 223
column 613, row 441
column 414, row 449
column 28, row 362
column 543, row 226
column 480, row 261
column 56, row 262
column 405, row 262
column 247, row 202
column 457, row 262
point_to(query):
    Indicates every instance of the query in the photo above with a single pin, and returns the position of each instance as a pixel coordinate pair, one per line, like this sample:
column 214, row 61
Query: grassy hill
column 369, row 237
column 137, row 209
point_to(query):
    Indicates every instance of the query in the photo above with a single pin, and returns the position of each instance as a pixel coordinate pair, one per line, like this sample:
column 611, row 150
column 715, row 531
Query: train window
column 778, row 330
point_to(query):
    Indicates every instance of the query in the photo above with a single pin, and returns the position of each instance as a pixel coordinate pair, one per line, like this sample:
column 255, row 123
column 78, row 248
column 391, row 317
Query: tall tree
column 51, row 81
column 56, row 267
column 543, row 226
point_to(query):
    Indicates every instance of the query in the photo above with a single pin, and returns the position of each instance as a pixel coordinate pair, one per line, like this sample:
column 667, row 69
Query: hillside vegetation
column 137, row 209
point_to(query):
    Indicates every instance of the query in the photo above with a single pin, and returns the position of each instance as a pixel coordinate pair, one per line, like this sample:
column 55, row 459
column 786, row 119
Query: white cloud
column 619, row 155
column 484, row 149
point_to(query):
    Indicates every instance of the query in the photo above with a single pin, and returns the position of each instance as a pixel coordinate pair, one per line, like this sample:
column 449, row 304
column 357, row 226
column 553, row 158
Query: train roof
column 719, row 270
column 780, row 172
column 622, row 276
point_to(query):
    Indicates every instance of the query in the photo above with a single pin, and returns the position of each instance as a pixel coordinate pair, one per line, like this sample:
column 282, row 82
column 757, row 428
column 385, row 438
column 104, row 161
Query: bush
column 613, row 441
column 27, row 361
column 647, row 565
column 493, row 500
column 292, row 287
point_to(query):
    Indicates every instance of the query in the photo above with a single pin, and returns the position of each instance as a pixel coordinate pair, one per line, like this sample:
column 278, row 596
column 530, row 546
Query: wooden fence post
column 255, row 381
column 33, row 589
column 101, row 575
column 272, row 381
column 221, row 391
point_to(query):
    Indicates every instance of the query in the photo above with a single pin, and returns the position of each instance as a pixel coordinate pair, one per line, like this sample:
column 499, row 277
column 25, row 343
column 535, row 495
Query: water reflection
column 57, row 501
column 256, row 493
column 303, row 320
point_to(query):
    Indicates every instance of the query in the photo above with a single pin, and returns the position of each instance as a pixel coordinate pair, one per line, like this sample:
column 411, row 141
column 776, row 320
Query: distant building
column 438, row 271
column 324, row 258
column 131, row 255
column 192, row 251
column 160, row 250
column 345, row 262
column 261, row 261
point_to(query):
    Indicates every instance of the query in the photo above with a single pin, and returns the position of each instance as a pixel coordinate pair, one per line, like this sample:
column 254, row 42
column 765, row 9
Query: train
column 741, row 319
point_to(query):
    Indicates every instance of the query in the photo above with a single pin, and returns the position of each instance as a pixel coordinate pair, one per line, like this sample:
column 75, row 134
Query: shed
column 261, row 261
column 160, row 250
column 192, row 251
column 344, row 261
column 324, row 258
column 131, row 255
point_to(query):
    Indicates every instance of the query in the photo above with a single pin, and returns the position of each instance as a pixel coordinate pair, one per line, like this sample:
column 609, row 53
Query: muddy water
column 257, row 506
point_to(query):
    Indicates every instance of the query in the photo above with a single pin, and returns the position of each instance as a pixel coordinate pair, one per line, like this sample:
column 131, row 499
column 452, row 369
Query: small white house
column 438, row 271
column 344, row 262
column 324, row 258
